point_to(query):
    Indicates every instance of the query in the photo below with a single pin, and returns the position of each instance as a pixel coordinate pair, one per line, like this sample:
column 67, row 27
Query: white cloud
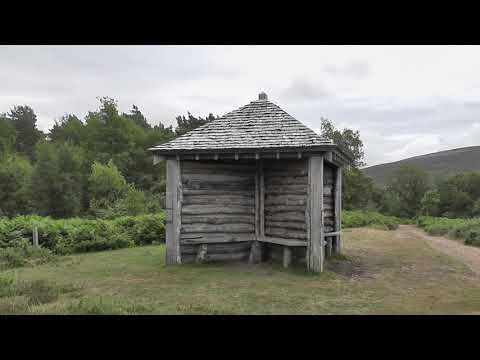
column 404, row 100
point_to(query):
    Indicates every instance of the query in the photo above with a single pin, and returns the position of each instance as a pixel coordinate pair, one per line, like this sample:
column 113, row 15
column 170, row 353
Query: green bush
column 75, row 235
column 466, row 229
column 361, row 218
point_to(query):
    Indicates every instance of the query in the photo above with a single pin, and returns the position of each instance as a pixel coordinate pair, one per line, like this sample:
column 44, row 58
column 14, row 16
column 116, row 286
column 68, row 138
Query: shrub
column 466, row 229
column 66, row 236
column 361, row 218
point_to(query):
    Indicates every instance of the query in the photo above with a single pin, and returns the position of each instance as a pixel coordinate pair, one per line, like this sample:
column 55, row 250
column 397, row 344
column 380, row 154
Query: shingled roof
column 259, row 125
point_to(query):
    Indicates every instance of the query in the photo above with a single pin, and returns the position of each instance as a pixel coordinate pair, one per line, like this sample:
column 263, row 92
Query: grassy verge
column 381, row 272
column 468, row 230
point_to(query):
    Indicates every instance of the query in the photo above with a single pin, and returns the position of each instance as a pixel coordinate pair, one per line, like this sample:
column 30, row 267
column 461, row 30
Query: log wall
column 329, row 173
column 286, row 189
column 218, row 209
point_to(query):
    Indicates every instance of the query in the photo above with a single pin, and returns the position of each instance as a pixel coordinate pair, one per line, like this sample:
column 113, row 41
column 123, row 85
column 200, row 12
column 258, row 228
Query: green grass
column 381, row 272
column 362, row 218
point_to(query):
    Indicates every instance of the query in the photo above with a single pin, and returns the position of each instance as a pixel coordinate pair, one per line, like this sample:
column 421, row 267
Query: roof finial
column 262, row 96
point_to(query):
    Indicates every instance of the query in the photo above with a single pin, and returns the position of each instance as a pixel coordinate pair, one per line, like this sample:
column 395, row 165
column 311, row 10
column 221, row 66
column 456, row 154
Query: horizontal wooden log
column 218, row 219
column 285, row 165
column 288, row 180
column 221, row 200
column 210, row 228
column 328, row 213
column 285, row 200
column 283, row 242
column 209, row 238
column 285, row 173
column 328, row 221
column 216, row 178
column 216, row 248
column 207, row 185
column 217, row 209
column 273, row 209
column 286, row 216
column 283, row 233
column 327, row 191
column 286, row 224
column 216, row 192
column 328, row 205
column 328, row 228
column 228, row 257
column 286, row 190
column 189, row 167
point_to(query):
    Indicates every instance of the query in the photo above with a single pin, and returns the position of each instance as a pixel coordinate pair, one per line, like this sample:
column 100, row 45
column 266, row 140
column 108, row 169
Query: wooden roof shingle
column 259, row 125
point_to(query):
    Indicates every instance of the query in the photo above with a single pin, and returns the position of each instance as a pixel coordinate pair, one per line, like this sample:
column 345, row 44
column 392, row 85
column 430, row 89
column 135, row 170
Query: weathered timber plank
column 287, row 257
column 217, row 192
column 289, row 180
column 202, row 252
column 208, row 238
column 286, row 216
column 173, row 255
column 217, row 209
column 315, row 249
column 284, row 233
column 286, row 224
column 286, row 165
column 216, row 167
column 286, row 190
column 218, row 219
column 223, row 248
column 337, row 245
column 285, row 242
column 210, row 228
column 216, row 178
column 273, row 209
column 228, row 257
column 294, row 200
column 223, row 200
column 246, row 185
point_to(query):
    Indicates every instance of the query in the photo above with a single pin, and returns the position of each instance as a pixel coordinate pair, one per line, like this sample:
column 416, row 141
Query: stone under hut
column 252, row 185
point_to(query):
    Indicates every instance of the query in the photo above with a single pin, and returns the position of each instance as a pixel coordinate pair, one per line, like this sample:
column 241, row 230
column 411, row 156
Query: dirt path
column 469, row 255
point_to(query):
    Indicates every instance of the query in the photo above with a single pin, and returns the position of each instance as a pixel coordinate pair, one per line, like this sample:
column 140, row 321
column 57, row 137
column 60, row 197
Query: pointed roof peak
column 259, row 125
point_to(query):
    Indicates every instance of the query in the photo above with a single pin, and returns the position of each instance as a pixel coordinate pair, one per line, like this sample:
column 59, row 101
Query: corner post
column 315, row 250
column 173, row 207
column 337, row 246
column 256, row 249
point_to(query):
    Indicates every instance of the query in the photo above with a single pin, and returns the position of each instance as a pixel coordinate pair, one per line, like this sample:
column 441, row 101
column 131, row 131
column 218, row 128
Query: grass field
column 384, row 272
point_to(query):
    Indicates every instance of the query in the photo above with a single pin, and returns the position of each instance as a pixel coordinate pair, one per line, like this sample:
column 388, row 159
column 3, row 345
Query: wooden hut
column 251, row 185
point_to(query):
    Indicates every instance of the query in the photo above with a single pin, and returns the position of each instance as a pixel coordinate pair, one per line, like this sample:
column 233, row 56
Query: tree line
column 98, row 166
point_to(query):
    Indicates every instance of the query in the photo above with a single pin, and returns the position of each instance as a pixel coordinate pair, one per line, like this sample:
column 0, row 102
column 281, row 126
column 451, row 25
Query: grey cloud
column 356, row 69
column 302, row 89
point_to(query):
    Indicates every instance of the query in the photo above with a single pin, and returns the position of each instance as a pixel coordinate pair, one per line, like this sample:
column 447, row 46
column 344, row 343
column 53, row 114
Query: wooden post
column 174, row 205
column 337, row 246
column 328, row 247
column 256, row 249
column 202, row 253
column 315, row 250
column 287, row 256
column 35, row 236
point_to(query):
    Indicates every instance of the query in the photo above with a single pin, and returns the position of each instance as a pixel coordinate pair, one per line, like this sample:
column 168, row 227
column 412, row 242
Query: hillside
column 447, row 162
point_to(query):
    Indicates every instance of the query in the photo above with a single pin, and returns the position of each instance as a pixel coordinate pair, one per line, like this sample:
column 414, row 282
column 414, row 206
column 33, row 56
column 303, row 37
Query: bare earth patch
column 469, row 255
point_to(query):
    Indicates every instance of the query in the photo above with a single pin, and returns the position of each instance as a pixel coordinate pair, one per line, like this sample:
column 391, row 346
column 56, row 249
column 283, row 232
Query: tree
column 357, row 189
column 409, row 183
column 8, row 135
column 106, row 185
column 24, row 120
column 430, row 202
column 15, row 185
column 347, row 140
column 137, row 117
column 69, row 129
column 57, row 179
column 185, row 125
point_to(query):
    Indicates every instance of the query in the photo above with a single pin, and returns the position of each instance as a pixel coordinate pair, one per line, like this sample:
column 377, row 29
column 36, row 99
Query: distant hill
column 447, row 162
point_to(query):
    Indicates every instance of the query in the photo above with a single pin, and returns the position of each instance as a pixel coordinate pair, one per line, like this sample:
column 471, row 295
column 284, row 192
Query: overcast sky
column 404, row 100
